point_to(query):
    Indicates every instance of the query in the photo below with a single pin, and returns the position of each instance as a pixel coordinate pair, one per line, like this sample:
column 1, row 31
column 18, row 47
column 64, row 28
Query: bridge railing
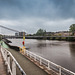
column 11, row 62
column 49, row 65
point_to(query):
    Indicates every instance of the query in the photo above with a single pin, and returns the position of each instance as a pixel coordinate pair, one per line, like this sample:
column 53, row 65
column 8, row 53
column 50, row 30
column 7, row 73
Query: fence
column 50, row 65
column 11, row 62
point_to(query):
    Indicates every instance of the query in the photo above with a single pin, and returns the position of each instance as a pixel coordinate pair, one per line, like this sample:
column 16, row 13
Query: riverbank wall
column 60, row 38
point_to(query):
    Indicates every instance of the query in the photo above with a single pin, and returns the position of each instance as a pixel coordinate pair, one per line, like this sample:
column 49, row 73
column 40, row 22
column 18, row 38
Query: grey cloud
column 31, row 15
column 52, row 9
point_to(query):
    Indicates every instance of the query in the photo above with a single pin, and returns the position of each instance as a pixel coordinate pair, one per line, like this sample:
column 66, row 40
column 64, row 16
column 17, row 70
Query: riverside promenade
column 29, row 67
column 2, row 67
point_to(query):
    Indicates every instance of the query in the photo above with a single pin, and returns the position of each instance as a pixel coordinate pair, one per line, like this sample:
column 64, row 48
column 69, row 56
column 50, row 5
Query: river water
column 59, row 52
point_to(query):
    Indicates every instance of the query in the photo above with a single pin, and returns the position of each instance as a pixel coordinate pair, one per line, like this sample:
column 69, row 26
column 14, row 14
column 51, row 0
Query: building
column 62, row 33
column 16, row 34
column 21, row 33
column 49, row 33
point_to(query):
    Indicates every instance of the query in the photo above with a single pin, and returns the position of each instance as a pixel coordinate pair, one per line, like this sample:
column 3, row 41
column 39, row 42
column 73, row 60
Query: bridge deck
column 2, row 67
column 29, row 67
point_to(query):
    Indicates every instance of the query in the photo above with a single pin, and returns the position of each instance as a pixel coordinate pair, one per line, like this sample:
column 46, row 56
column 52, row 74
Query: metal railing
column 11, row 62
column 48, row 64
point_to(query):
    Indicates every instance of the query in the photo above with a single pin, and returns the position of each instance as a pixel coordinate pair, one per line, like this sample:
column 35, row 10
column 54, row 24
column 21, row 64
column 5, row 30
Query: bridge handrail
column 6, row 55
column 49, row 63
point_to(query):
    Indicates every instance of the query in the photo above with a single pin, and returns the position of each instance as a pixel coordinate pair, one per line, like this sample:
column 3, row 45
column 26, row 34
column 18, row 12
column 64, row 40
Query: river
column 59, row 52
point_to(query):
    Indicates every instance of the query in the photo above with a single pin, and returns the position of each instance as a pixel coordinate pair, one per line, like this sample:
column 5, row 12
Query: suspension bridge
column 13, row 62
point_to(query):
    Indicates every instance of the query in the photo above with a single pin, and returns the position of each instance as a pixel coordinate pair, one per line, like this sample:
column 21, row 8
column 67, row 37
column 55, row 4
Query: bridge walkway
column 29, row 67
column 2, row 67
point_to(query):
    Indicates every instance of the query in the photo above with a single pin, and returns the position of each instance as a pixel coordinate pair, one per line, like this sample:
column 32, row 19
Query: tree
column 41, row 32
column 72, row 29
column 0, row 37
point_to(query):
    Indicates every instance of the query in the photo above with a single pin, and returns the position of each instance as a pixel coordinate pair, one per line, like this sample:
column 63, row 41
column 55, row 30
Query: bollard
column 24, row 51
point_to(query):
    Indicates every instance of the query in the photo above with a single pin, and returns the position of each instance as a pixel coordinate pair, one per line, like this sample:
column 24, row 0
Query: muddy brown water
column 59, row 52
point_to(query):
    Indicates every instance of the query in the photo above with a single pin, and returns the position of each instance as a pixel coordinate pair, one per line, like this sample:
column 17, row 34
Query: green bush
column 0, row 37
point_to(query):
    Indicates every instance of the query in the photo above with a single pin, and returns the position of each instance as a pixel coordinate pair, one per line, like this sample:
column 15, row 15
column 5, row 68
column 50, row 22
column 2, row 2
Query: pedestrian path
column 29, row 67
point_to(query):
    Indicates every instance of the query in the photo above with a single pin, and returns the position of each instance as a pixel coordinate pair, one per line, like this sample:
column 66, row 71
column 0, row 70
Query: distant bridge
column 34, row 37
column 42, row 37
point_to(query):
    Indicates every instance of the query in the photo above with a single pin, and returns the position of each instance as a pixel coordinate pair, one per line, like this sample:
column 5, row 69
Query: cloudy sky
column 30, row 15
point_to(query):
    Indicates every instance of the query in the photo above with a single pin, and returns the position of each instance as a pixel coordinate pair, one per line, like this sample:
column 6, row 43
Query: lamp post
column 23, row 49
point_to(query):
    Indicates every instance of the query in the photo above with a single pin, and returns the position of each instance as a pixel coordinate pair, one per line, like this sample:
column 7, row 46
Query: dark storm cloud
column 52, row 9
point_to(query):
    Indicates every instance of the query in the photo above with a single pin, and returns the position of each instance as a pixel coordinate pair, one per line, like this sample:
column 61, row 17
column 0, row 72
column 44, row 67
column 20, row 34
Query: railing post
column 5, row 58
column 48, row 65
column 60, row 70
column 27, row 53
column 8, row 60
column 13, row 68
column 40, row 61
column 30, row 55
column 35, row 58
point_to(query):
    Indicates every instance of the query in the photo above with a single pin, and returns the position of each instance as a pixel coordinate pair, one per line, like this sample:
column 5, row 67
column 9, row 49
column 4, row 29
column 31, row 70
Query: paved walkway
column 2, row 67
column 29, row 67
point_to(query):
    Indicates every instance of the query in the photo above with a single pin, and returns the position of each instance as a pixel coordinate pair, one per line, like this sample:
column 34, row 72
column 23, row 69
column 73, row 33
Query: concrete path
column 29, row 67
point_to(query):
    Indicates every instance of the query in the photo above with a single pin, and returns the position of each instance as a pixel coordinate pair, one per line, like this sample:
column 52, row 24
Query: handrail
column 49, row 64
column 6, row 55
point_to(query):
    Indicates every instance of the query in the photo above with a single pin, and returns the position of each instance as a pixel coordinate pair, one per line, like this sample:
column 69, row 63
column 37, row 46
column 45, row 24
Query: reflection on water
column 59, row 52
column 41, row 45
column 72, row 50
